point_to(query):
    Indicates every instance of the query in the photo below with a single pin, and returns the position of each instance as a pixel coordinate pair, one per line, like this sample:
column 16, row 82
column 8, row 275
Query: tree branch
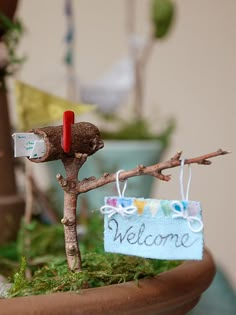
column 153, row 170
column 72, row 167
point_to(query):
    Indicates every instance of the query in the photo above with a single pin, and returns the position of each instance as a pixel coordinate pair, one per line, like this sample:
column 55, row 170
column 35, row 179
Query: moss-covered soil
column 36, row 263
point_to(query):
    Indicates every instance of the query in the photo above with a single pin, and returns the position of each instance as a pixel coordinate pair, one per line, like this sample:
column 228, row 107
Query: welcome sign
column 151, row 228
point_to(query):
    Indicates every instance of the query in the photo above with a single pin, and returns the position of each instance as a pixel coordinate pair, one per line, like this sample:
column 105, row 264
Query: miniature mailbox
column 45, row 144
column 71, row 143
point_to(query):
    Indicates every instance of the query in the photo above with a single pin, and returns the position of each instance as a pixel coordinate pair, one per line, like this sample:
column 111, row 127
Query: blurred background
column 190, row 76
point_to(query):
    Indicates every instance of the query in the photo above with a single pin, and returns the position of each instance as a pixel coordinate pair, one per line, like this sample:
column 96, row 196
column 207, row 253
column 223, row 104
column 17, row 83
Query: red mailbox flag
column 68, row 120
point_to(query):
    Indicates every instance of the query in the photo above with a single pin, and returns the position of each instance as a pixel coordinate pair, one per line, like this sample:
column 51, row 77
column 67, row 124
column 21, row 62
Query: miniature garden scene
column 84, row 229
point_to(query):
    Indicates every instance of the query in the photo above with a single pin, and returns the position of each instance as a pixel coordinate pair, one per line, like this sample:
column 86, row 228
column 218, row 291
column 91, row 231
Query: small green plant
column 162, row 15
column 10, row 62
column 19, row 279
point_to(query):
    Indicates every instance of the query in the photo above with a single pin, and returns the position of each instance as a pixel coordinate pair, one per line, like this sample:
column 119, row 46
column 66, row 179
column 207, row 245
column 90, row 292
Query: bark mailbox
column 85, row 139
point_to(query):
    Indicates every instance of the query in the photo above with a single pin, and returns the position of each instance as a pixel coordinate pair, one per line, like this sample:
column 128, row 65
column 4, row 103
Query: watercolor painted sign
column 151, row 228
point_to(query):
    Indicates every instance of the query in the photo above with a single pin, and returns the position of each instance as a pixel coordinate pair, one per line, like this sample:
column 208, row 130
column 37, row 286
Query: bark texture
column 85, row 136
column 72, row 167
column 71, row 239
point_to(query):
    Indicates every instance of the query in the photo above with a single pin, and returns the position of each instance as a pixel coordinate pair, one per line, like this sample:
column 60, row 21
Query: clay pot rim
column 178, row 287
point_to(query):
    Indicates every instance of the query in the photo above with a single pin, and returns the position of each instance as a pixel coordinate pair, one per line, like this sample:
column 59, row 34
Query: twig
column 153, row 170
column 44, row 202
column 29, row 199
column 72, row 167
column 38, row 195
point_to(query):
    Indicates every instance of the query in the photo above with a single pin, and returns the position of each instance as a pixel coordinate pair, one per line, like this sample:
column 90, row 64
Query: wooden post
column 85, row 141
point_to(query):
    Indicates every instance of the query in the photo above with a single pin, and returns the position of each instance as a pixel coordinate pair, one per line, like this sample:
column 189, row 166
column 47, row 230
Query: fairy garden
column 66, row 239
column 131, row 224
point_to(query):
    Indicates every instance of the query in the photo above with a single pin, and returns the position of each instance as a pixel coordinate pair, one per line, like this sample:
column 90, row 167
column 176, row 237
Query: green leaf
column 162, row 16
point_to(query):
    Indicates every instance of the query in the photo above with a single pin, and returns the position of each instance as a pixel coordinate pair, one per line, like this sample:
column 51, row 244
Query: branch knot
column 66, row 221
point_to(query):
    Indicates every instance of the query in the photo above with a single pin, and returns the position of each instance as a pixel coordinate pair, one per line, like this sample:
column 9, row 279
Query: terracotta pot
column 171, row 293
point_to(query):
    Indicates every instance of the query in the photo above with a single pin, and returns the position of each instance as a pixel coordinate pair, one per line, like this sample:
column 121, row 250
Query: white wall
column 191, row 76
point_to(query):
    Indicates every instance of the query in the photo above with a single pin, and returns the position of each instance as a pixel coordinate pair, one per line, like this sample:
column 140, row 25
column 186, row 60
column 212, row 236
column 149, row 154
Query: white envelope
column 28, row 144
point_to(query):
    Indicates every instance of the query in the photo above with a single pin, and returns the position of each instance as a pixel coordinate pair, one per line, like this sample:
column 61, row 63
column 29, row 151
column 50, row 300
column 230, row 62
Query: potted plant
column 152, row 295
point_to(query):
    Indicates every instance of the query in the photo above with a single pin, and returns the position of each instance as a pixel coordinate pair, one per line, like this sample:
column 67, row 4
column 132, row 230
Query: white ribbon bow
column 184, row 214
column 124, row 211
column 111, row 210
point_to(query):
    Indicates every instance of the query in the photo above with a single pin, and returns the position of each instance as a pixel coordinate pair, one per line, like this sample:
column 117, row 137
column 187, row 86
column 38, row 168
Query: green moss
column 19, row 277
column 45, row 258
column 41, row 238
column 98, row 270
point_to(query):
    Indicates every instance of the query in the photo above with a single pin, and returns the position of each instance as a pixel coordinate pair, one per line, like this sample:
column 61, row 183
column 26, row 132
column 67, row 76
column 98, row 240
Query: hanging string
column 181, row 179
column 124, row 211
column 121, row 194
column 195, row 224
